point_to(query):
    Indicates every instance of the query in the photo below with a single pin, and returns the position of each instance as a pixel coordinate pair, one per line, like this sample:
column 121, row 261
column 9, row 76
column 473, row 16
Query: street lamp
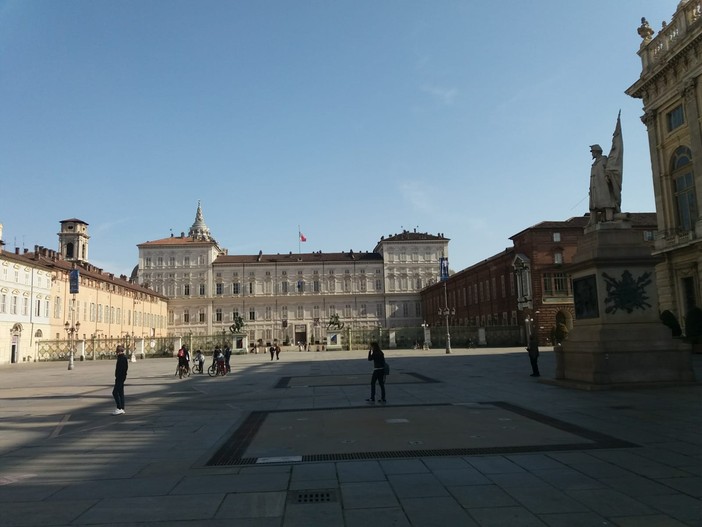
column 446, row 311
column 72, row 333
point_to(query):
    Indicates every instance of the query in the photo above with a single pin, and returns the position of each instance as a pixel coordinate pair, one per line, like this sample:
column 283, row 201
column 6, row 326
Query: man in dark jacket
column 121, row 368
column 533, row 350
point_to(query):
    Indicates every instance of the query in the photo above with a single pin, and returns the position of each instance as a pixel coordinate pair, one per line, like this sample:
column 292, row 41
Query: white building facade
column 291, row 298
column 25, row 296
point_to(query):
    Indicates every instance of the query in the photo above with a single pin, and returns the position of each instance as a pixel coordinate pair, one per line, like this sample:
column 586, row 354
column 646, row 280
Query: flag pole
column 299, row 241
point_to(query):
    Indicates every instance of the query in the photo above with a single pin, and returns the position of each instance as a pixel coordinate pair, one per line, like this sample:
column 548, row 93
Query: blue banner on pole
column 73, row 281
column 443, row 269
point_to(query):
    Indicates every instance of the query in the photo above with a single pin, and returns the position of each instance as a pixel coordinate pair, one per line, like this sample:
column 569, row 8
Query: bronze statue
column 606, row 179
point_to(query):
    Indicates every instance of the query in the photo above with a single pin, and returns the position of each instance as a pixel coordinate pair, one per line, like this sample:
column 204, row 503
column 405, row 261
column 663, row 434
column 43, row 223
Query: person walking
column 376, row 355
column 277, row 351
column 121, row 368
column 533, row 350
column 271, row 349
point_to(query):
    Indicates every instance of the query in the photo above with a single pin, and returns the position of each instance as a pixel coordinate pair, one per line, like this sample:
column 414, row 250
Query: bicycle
column 182, row 371
column 218, row 368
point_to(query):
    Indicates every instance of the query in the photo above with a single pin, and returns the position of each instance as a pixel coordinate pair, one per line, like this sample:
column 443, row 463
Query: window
column 202, row 289
column 315, row 286
column 236, row 288
column 284, row 287
column 347, row 311
column 252, row 314
column 648, row 236
column 300, row 312
column 186, row 316
column 219, row 288
column 3, row 303
column 556, row 236
column 556, row 284
column 558, row 257
column 201, row 316
column 218, row 314
column 675, row 118
column 186, row 290
column 684, row 187
column 268, row 313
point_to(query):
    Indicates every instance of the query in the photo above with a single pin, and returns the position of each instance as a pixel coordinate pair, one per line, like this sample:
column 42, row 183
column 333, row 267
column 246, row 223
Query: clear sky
column 353, row 119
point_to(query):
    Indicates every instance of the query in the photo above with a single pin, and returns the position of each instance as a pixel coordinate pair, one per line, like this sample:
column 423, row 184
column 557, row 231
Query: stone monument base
column 617, row 337
column 613, row 355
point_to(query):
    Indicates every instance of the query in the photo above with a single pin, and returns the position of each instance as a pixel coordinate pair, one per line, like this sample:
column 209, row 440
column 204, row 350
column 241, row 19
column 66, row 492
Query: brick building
column 527, row 286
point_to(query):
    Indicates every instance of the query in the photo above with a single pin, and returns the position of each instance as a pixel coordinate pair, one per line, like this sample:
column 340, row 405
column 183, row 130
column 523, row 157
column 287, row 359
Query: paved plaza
column 466, row 439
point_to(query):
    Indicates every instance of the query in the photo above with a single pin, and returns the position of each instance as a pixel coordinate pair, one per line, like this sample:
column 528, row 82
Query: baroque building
column 290, row 297
column 37, row 306
column 670, row 89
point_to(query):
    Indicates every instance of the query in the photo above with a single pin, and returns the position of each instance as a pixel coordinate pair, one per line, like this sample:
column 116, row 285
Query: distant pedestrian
column 533, row 350
column 271, row 349
column 121, row 368
column 277, row 351
column 376, row 355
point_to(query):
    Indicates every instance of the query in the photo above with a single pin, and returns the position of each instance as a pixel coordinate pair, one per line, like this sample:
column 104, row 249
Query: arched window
column 684, row 188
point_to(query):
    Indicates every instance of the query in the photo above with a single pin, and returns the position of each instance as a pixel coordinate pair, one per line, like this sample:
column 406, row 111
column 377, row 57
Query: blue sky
column 351, row 118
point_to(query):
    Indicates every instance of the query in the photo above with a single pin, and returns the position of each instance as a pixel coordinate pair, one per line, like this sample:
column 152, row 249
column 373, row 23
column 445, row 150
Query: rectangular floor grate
column 312, row 496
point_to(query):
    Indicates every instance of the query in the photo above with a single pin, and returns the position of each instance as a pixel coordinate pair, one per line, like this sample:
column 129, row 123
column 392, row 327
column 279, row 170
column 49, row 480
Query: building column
column 692, row 114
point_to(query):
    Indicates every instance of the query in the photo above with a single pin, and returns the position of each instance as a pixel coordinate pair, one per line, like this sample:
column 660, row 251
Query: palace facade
column 290, row 297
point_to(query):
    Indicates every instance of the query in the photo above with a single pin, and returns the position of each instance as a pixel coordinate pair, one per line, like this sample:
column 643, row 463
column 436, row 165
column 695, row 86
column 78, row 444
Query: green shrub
column 561, row 332
column 693, row 325
column 670, row 320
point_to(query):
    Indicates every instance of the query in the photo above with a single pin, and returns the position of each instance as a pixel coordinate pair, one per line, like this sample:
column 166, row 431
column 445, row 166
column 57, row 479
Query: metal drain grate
column 312, row 496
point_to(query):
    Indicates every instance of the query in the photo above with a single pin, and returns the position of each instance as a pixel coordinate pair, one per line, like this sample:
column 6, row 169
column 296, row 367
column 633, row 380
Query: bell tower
column 73, row 240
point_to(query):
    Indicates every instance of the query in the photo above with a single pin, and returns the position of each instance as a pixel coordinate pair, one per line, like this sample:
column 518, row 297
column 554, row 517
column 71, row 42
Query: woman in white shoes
column 120, row 376
column 376, row 355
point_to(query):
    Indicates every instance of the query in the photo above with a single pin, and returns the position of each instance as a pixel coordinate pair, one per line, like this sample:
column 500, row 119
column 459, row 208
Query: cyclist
column 184, row 359
column 221, row 364
column 199, row 360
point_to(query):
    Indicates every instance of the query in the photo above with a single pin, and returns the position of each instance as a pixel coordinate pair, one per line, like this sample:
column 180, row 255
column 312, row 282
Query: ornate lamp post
column 446, row 311
column 72, row 334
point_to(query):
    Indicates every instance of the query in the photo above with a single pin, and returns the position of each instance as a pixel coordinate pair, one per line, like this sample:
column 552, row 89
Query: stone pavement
column 467, row 439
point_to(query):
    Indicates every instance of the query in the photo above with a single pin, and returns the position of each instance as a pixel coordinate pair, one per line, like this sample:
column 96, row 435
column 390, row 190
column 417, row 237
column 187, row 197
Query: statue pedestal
column 617, row 336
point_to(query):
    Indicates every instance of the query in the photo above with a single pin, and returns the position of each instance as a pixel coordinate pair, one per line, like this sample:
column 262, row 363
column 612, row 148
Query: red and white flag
column 302, row 237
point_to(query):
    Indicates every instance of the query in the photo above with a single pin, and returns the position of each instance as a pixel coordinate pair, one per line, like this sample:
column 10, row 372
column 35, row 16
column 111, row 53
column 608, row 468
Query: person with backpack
column 184, row 358
column 376, row 355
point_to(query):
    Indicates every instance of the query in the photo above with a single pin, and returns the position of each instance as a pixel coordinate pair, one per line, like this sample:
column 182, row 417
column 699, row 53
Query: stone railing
column 655, row 49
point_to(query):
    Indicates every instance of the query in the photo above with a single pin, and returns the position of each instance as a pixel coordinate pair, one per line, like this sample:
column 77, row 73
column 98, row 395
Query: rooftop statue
column 606, row 179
